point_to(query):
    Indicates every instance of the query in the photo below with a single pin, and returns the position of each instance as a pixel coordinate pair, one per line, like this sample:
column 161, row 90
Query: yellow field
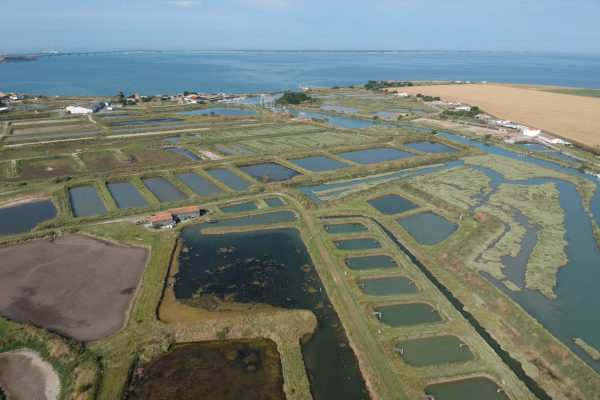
column 574, row 117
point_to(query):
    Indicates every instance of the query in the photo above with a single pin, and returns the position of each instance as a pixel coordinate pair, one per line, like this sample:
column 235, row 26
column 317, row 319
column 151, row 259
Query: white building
column 531, row 132
column 79, row 110
column 462, row 108
column 401, row 94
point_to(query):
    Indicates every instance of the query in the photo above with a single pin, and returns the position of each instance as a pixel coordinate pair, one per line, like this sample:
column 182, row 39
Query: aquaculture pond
column 407, row 314
column 533, row 147
column 345, row 228
column 269, row 172
column 428, row 228
column 126, row 195
column 272, row 267
column 225, row 111
column 229, row 178
column 338, row 121
column 25, row 217
column 433, row 350
column 242, row 149
column 348, row 110
column 198, row 184
column 161, row 127
column 239, row 207
column 146, row 121
column 431, row 147
column 392, row 204
column 179, row 150
column 319, row 163
column 371, row 262
column 164, row 190
column 466, row 389
column 563, row 156
column 174, row 139
column 387, row 285
column 567, row 316
column 230, row 369
column 357, row 244
column 376, row 155
column 86, row 201
column 274, row 202
column 226, row 150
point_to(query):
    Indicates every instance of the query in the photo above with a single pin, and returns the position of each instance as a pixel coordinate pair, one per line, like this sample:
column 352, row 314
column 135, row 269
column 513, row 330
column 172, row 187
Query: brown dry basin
column 76, row 285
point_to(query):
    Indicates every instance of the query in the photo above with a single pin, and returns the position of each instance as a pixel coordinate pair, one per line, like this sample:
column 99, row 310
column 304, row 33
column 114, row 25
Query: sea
column 154, row 72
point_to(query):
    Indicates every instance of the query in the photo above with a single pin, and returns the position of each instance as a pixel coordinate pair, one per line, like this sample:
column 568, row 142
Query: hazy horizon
column 271, row 25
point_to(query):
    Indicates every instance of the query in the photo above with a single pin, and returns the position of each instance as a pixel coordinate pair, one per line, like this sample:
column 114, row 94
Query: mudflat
column 76, row 285
column 25, row 375
column 574, row 117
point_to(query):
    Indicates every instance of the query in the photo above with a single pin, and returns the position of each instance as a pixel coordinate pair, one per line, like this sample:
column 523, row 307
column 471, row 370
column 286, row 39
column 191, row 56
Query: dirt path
column 4, row 128
column 25, row 375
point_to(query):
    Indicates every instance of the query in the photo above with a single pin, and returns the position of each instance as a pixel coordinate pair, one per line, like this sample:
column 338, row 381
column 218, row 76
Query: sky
column 499, row 25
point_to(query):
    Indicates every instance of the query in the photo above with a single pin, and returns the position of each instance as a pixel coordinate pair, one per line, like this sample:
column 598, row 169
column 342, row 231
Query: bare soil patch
column 478, row 130
column 43, row 121
column 25, row 375
column 52, row 129
column 574, row 117
column 47, row 168
column 103, row 161
column 76, row 285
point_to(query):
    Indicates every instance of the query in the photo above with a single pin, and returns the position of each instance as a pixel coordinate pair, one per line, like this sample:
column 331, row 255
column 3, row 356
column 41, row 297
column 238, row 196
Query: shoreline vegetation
column 446, row 184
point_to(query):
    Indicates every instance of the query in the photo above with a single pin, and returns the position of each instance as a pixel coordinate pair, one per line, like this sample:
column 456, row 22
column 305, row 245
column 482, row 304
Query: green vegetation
column 295, row 98
column 377, row 85
column 472, row 113
column 428, row 98
column 591, row 351
column 577, row 92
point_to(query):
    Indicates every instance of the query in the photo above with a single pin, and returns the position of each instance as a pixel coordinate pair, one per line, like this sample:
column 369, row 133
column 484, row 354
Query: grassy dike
column 544, row 358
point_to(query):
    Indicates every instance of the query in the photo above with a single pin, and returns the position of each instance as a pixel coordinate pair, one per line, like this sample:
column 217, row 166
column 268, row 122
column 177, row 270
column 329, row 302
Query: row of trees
column 377, row 85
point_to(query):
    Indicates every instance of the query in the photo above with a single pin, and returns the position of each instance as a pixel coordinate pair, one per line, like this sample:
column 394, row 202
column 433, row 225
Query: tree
column 186, row 93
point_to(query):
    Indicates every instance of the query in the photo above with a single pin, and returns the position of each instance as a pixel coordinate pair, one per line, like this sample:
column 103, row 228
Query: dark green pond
column 239, row 207
column 25, row 217
column 428, row 228
column 269, row 172
column 466, row 389
column 408, row 314
column 376, row 155
column 319, row 163
column 271, row 267
column 274, row 202
column 385, row 286
column 431, row 147
column 433, row 350
column 229, row 178
column 126, row 195
column 392, row 204
column 86, row 201
column 357, row 244
column 371, row 262
column 198, row 184
column 345, row 228
column 217, row 370
column 164, row 190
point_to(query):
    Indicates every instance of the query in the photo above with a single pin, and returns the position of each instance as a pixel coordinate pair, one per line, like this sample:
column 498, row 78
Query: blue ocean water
column 258, row 71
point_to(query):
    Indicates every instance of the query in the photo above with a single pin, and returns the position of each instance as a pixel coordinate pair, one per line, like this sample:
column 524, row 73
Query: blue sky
column 72, row 25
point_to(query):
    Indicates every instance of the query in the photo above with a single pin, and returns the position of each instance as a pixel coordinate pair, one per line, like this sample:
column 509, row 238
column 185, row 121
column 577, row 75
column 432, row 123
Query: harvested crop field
column 52, row 129
column 25, row 375
column 574, row 117
column 75, row 285
column 47, row 168
column 44, row 121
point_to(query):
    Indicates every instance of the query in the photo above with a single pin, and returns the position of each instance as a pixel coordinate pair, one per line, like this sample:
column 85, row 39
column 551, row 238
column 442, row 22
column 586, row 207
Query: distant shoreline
column 16, row 59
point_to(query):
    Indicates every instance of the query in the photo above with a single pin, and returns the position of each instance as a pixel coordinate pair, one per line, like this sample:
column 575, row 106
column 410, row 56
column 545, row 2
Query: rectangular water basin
column 198, row 184
column 433, row 350
column 126, row 195
column 269, row 172
column 319, row 163
column 85, row 201
column 392, row 204
column 358, row 244
column 164, row 190
column 428, row 228
column 387, row 285
column 407, row 314
column 371, row 262
column 229, row 178
column 376, row 155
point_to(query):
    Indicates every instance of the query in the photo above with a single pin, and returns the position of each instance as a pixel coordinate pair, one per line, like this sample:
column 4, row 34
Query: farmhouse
column 186, row 213
column 527, row 131
column 162, row 220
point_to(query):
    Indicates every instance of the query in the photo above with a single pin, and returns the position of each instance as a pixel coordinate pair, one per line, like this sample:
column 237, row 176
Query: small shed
column 186, row 213
column 160, row 220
